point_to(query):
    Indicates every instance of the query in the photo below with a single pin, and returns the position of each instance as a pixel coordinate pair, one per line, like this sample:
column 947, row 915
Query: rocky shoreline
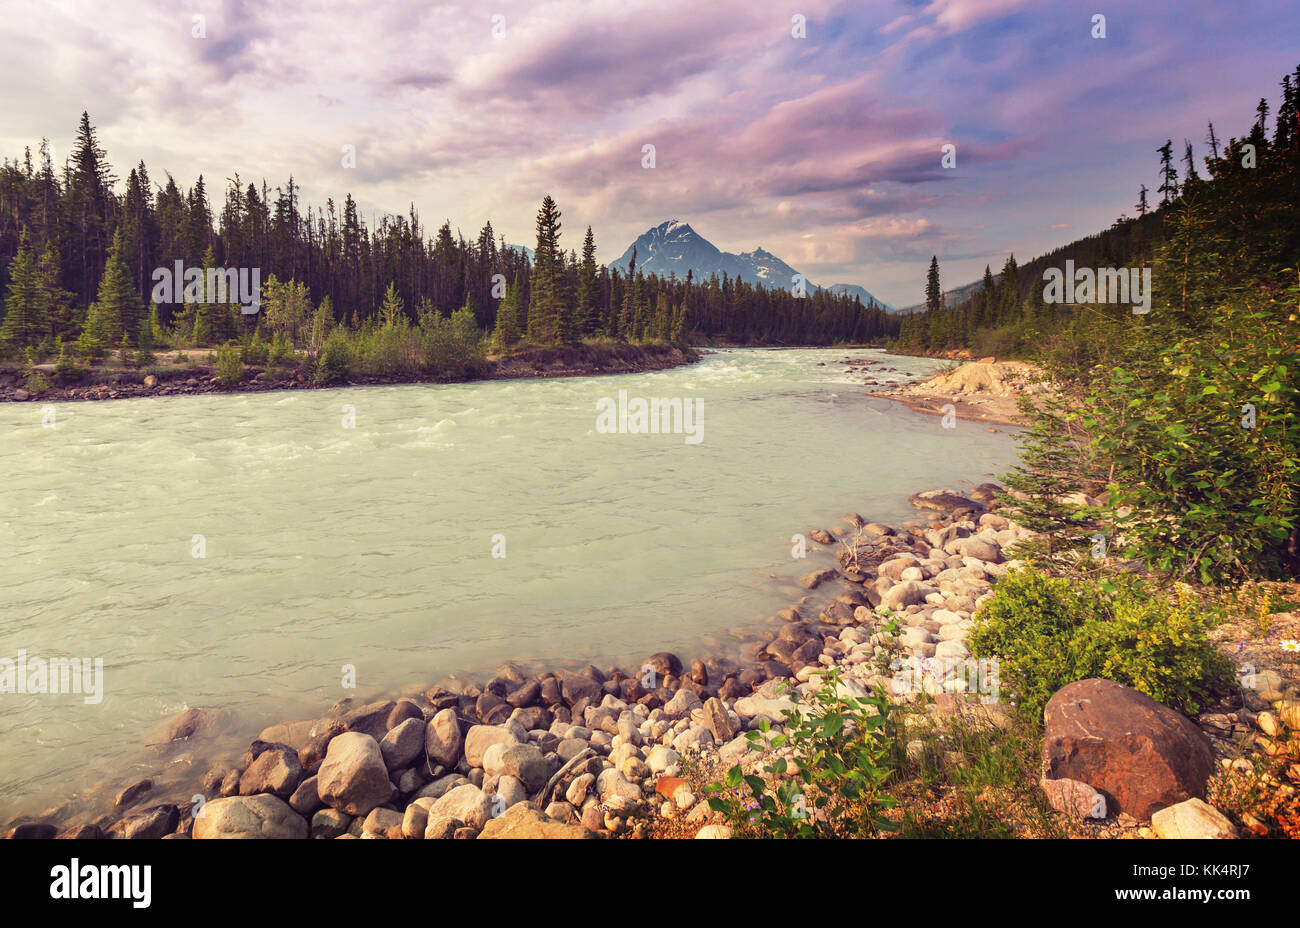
column 199, row 379
column 573, row 753
column 610, row 752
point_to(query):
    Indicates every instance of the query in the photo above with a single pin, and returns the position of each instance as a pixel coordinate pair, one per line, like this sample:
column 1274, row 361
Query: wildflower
column 1290, row 644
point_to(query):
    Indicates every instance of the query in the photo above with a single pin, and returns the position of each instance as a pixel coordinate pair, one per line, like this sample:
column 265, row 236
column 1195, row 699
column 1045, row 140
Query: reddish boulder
column 1141, row 755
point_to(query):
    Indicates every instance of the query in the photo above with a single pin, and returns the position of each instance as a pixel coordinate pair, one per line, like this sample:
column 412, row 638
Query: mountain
column 673, row 247
column 860, row 292
column 523, row 248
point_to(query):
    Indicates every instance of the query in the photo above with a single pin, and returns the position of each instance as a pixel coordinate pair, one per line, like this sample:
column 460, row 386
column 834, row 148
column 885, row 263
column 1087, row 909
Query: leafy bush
column 65, row 368
column 256, row 351
column 228, row 368
column 335, row 359
column 90, row 347
column 1159, row 648
column 1029, row 625
column 35, row 383
column 843, row 748
column 453, row 346
column 1048, row 632
column 281, row 350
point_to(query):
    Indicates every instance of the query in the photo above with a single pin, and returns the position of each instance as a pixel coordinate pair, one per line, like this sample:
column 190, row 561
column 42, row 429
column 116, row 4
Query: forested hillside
column 1184, row 405
column 1228, row 225
column 77, row 259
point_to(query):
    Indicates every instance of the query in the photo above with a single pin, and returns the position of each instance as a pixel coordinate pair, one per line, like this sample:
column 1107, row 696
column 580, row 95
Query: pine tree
column 119, row 308
column 24, row 322
column 1049, row 469
column 627, row 310
column 393, row 311
column 508, row 328
column 1142, row 207
column 1189, row 170
column 1009, row 292
column 89, row 208
column 988, row 307
column 57, row 301
column 214, row 321
column 1168, row 174
column 586, row 315
column 547, row 312
column 933, row 292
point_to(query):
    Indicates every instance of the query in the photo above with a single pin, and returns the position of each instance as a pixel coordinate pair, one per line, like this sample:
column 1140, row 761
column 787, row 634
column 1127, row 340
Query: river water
column 236, row 551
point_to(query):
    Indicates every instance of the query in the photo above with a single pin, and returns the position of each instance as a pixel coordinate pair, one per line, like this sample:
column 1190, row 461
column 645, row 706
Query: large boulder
column 276, row 770
column 260, row 816
column 403, row 744
column 523, row 821
column 296, row 735
column 907, row 593
column 466, row 803
column 979, row 548
column 1193, row 818
column 943, row 501
column 481, row 737
column 1141, row 755
column 525, row 763
column 353, row 777
column 370, row 719
column 442, row 738
column 190, row 723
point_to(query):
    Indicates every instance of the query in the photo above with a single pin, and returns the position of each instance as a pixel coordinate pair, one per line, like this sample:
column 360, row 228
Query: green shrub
column 1160, row 648
column 843, row 748
column 256, row 351
column 281, row 350
column 229, row 369
column 1029, row 625
column 335, row 359
column 65, row 368
column 1048, row 632
column 35, row 383
column 90, row 347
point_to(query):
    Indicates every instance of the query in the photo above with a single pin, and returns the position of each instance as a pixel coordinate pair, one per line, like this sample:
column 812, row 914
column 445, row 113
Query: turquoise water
column 372, row 545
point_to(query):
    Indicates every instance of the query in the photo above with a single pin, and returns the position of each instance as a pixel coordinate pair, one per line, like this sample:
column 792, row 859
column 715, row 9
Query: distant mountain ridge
column 673, row 247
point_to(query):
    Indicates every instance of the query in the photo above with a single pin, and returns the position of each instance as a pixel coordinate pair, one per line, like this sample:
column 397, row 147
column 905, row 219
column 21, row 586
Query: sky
column 824, row 149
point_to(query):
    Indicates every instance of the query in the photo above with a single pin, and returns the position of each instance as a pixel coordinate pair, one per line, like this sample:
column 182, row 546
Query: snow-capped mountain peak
column 673, row 247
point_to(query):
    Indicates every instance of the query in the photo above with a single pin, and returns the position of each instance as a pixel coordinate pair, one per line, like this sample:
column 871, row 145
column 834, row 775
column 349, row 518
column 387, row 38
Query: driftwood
column 559, row 775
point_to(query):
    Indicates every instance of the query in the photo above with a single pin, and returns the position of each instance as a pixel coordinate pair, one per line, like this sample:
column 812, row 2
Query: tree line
column 1247, row 185
column 77, row 264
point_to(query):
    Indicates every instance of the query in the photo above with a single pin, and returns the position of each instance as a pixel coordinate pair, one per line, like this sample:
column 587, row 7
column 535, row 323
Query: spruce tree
column 25, row 323
column 1168, row 174
column 586, row 316
column 119, row 307
column 1049, row 469
column 933, row 293
column 1009, row 292
column 507, row 330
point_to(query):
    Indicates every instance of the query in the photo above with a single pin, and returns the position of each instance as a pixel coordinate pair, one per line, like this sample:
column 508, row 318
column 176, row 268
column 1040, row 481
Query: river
column 237, row 550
